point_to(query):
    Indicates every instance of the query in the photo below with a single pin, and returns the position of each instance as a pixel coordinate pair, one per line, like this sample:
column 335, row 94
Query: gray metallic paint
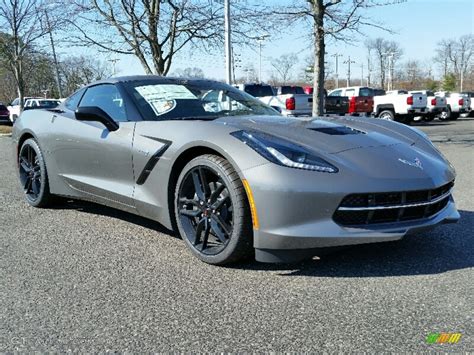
column 295, row 207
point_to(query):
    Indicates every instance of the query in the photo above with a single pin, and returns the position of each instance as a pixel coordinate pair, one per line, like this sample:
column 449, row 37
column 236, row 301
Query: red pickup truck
column 361, row 99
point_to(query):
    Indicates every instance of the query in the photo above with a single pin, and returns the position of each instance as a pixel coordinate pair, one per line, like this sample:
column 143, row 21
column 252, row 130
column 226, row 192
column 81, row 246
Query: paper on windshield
column 162, row 97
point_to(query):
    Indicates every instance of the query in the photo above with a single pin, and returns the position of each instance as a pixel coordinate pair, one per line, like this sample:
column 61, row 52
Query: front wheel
column 33, row 174
column 212, row 212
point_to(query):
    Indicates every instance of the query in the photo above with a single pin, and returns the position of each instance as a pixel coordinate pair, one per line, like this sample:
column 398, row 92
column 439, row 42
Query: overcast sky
column 419, row 25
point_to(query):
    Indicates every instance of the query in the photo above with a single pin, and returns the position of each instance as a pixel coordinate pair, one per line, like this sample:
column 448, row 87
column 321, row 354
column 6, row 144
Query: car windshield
column 175, row 100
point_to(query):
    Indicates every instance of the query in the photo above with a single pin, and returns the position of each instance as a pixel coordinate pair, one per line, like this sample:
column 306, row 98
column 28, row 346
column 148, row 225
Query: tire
column 387, row 115
column 446, row 114
column 212, row 212
column 33, row 174
column 454, row 116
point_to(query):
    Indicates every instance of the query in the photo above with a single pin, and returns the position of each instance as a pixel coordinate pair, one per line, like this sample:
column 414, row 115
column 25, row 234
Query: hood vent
column 337, row 131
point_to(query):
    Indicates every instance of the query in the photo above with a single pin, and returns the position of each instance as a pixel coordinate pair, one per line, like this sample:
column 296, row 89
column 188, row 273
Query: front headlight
column 284, row 153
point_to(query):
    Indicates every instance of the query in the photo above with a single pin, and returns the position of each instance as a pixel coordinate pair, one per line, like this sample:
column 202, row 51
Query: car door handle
column 53, row 117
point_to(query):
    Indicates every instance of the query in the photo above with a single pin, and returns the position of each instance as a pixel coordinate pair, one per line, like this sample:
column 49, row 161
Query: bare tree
column 190, row 72
column 154, row 31
column 329, row 18
column 284, row 66
column 386, row 53
column 81, row 70
column 456, row 56
column 23, row 25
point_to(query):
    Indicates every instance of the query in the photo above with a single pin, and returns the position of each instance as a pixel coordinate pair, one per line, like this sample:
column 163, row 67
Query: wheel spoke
column 187, row 201
column 189, row 213
column 223, row 224
column 35, row 185
column 215, row 194
column 205, row 187
column 206, row 236
column 24, row 165
column 198, row 185
column 27, row 184
column 217, row 231
column 218, row 204
column 199, row 228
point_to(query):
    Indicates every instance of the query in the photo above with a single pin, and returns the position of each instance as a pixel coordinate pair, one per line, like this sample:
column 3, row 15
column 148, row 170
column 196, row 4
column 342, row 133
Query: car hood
column 328, row 135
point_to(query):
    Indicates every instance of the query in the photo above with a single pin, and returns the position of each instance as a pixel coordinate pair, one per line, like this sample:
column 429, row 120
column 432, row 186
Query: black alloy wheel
column 33, row 174
column 212, row 212
column 205, row 210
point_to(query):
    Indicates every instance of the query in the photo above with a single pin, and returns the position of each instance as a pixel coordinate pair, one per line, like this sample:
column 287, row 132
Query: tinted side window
column 336, row 93
column 16, row 102
column 72, row 102
column 366, row 92
column 108, row 98
column 259, row 90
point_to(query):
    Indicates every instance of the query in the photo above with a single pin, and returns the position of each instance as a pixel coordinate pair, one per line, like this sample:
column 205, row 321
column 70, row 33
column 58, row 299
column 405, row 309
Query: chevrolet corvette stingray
column 232, row 176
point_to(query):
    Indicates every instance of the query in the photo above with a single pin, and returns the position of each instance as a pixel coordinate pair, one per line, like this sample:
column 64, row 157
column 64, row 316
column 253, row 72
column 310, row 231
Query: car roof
column 156, row 78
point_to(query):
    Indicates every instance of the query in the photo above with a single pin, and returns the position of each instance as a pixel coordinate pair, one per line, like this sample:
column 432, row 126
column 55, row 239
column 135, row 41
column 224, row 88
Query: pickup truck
column 435, row 105
column 14, row 107
column 41, row 104
column 289, row 100
column 361, row 99
column 399, row 105
column 336, row 105
column 456, row 104
column 470, row 94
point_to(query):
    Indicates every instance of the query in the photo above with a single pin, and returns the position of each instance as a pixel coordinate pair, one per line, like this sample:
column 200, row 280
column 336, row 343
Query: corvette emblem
column 416, row 163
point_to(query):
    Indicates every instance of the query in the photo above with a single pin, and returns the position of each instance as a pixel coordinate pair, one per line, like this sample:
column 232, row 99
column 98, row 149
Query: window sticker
column 162, row 98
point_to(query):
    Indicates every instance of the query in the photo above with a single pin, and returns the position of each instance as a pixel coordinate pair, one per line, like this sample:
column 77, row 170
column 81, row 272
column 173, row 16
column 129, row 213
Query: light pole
column 114, row 62
column 349, row 62
column 228, row 50
column 390, row 70
column 260, row 40
column 362, row 74
column 337, row 55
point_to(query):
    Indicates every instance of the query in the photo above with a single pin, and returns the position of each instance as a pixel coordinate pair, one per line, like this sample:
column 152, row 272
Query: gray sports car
column 228, row 173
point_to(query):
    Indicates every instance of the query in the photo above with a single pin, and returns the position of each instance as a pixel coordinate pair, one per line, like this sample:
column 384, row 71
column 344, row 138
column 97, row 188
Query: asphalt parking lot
column 82, row 277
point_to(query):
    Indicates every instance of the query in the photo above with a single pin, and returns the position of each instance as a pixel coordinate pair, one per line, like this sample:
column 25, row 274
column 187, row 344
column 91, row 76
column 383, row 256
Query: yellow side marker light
column 253, row 208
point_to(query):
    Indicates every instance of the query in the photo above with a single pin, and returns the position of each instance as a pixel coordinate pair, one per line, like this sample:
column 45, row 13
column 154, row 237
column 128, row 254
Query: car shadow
column 446, row 248
column 93, row 208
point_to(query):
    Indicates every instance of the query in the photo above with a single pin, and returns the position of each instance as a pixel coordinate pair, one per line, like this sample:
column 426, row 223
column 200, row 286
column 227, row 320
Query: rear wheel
column 446, row 114
column 33, row 174
column 212, row 212
column 454, row 116
column 387, row 115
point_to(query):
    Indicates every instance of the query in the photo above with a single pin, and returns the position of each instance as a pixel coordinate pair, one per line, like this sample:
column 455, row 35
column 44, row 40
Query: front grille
column 368, row 209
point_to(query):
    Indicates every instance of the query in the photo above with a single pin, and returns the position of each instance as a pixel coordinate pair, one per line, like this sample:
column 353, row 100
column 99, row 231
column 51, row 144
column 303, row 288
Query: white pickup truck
column 14, row 107
column 399, row 105
column 456, row 104
column 289, row 100
column 435, row 105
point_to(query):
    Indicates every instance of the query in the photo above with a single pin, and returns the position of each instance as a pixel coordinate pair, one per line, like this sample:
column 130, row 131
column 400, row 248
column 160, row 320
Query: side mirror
column 96, row 114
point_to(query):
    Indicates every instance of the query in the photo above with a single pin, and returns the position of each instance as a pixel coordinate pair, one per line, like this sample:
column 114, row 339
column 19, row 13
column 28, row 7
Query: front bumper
column 296, row 215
